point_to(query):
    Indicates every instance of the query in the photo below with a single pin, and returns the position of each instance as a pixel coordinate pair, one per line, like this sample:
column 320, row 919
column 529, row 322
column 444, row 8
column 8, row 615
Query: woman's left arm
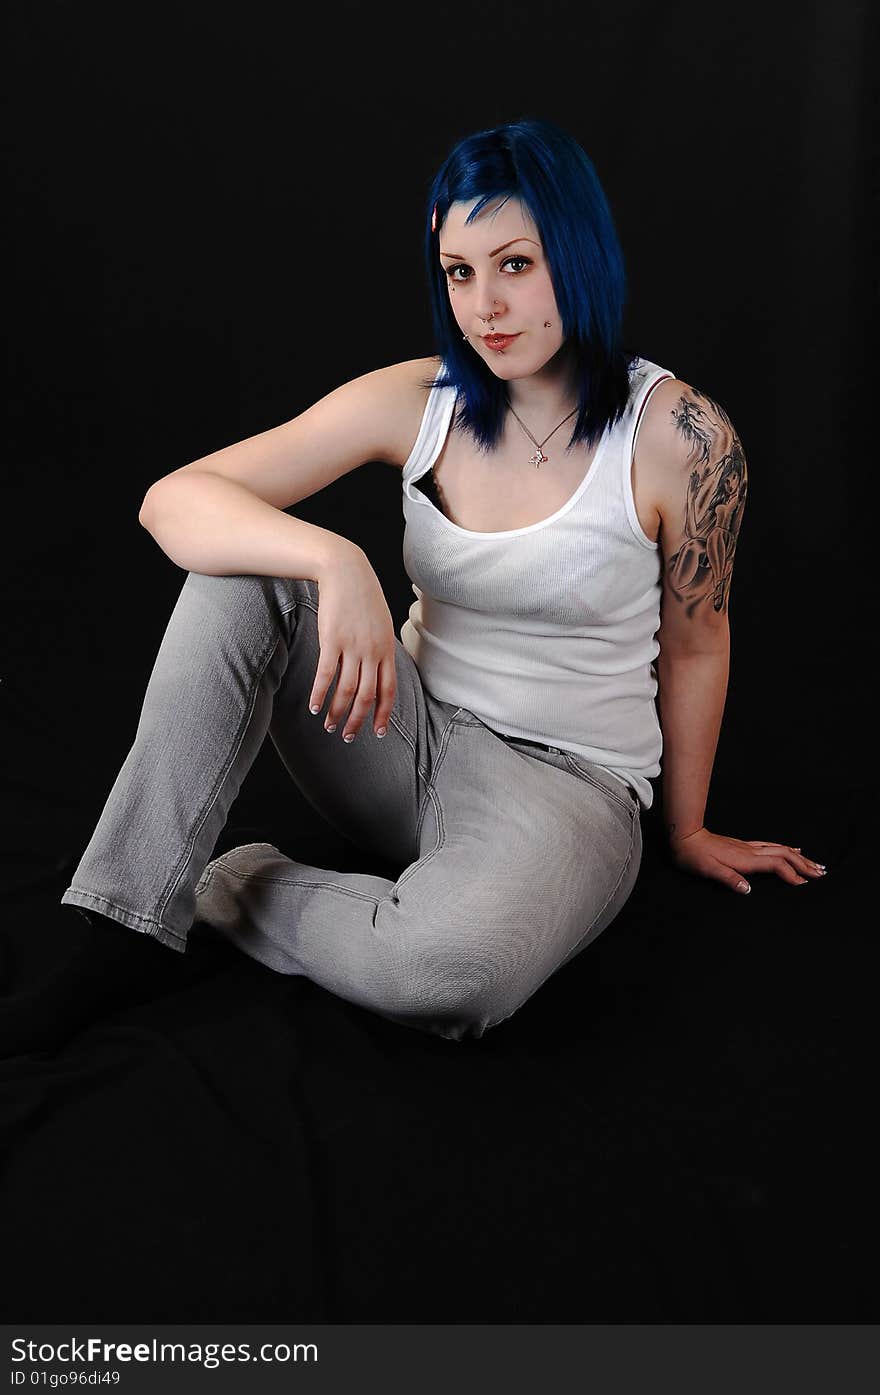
column 700, row 481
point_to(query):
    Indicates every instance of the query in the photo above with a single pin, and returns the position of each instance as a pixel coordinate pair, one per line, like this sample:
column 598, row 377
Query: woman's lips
column 499, row 341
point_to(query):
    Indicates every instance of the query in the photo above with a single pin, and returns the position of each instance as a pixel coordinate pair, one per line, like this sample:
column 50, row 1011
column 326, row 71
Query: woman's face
column 496, row 264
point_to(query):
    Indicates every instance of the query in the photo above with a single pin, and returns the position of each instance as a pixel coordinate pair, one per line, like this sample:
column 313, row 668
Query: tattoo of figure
column 701, row 568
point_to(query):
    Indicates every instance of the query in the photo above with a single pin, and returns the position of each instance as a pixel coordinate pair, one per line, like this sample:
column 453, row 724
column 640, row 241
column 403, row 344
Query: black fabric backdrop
column 217, row 219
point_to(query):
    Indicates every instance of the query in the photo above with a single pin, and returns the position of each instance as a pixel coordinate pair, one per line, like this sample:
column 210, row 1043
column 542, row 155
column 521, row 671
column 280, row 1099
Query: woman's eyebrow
column 497, row 249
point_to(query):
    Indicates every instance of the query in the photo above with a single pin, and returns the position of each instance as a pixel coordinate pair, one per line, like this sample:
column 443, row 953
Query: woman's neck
column 544, row 398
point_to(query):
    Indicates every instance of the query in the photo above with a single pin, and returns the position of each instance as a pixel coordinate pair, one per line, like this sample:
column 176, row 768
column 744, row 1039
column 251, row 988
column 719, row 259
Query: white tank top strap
column 640, row 398
column 432, row 432
column 637, row 406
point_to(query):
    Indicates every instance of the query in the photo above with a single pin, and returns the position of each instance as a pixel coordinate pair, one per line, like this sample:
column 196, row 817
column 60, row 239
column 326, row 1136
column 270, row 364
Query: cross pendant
column 539, row 458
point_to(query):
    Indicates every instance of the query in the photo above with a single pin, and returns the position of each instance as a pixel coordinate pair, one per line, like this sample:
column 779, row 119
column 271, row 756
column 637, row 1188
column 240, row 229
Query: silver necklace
column 539, row 458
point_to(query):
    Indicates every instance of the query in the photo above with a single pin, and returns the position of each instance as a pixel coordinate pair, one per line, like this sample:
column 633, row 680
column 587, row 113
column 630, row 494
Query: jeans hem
column 87, row 900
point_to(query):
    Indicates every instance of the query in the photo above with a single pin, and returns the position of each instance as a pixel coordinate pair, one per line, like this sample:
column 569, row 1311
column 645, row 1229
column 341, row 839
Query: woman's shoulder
column 418, row 373
column 409, row 384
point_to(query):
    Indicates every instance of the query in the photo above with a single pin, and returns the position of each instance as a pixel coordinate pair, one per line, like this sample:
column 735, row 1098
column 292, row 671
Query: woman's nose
column 487, row 305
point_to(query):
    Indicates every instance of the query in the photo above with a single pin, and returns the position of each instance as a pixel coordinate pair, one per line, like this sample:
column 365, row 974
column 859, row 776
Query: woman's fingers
column 364, row 699
column 386, row 691
column 344, row 692
column 730, row 876
column 792, row 856
column 361, row 684
column 328, row 663
column 735, row 878
column 787, row 871
column 808, row 867
column 730, row 860
column 790, row 866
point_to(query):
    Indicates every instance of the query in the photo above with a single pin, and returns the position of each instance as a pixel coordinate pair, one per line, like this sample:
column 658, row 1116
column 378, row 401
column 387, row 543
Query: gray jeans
column 516, row 856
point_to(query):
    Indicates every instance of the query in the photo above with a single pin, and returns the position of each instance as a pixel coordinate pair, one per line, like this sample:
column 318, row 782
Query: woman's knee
column 452, row 1016
column 289, row 590
column 212, row 605
column 460, row 991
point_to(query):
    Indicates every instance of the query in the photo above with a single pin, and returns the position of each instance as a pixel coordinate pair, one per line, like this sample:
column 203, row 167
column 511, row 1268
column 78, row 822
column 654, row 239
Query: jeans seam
column 284, row 881
column 577, row 769
column 411, row 742
column 598, row 916
column 215, row 793
column 430, row 793
column 286, row 610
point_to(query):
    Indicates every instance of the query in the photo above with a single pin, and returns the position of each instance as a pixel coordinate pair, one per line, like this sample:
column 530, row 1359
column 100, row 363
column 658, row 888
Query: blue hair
column 546, row 169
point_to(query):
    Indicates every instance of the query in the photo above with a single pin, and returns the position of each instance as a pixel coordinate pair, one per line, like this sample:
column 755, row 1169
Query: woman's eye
column 451, row 270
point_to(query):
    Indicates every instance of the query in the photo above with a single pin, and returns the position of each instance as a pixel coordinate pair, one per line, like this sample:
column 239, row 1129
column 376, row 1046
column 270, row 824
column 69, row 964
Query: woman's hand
column 356, row 631
column 711, row 855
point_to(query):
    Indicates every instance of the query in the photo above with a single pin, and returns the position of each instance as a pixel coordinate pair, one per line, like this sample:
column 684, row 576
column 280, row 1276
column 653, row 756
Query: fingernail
column 743, row 886
column 333, row 728
column 313, row 710
column 380, row 731
column 350, row 737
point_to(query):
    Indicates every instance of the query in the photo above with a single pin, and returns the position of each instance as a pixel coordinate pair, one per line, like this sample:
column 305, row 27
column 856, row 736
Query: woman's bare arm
column 223, row 514
column 214, row 525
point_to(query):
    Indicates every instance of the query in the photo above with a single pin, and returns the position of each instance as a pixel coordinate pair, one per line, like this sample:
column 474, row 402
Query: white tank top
column 546, row 633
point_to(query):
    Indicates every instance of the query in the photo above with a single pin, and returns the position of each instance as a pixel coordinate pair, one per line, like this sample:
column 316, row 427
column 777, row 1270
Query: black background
column 216, row 218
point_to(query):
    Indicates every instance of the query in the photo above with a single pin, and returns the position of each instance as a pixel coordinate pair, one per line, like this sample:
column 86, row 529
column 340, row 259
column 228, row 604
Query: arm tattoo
column 701, row 568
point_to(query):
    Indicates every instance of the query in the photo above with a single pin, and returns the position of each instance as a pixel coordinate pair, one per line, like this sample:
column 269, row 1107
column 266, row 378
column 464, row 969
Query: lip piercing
column 491, row 317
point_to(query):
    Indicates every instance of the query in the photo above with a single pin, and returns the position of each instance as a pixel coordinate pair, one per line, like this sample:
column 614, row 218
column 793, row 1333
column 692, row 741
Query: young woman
column 571, row 515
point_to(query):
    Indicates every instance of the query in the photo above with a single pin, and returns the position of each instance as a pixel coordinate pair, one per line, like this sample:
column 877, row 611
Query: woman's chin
column 506, row 368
